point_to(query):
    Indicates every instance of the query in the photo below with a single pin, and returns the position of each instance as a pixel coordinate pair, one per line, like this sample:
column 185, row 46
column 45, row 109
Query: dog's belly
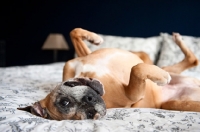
column 183, row 88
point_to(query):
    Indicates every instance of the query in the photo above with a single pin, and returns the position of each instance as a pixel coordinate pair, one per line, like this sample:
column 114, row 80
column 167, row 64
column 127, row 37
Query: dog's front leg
column 78, row 35
column 68, row 70
column 135, row 90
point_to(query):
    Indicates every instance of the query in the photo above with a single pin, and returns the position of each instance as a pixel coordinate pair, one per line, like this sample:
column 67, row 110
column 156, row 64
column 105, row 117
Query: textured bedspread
column 22, row 86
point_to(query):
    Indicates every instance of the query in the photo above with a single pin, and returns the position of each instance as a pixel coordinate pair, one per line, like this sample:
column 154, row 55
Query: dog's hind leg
column 189, row 61
column 143, row 56
column 78, row 36
column 182, row 105
column 138, row 77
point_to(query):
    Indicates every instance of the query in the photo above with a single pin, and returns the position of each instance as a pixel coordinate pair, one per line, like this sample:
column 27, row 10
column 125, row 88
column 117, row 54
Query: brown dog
column 114, row 78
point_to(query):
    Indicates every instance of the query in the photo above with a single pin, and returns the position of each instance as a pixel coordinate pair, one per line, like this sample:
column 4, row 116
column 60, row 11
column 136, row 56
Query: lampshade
column 55, row 41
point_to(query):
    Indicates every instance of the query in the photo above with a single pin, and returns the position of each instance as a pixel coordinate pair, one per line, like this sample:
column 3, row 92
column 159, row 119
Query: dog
column 115, row 78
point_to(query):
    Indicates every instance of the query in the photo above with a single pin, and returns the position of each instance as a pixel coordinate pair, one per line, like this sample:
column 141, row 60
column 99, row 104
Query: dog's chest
column 98, row 65
column 95, row 68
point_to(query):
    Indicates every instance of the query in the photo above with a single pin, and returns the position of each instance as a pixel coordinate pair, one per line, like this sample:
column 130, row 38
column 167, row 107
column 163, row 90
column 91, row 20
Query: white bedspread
column 22, row 86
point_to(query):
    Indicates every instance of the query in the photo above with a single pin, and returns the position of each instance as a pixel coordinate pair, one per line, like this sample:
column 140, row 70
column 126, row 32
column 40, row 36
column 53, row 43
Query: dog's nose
column 90, row 113
column 89, row 99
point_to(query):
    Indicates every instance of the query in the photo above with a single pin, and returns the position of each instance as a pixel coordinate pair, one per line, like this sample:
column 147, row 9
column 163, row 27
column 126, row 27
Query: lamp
column 55, row 41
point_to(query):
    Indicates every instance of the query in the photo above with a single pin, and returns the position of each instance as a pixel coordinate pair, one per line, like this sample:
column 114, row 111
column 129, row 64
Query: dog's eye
column 64, row 102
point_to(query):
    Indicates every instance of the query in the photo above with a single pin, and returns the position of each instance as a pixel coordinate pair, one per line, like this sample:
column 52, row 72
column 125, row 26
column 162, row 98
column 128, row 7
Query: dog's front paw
column 95, row 39
column 154, row 73
column 165, row 79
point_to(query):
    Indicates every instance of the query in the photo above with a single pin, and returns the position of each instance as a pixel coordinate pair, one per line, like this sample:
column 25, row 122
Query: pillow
column 171, row 53
column 149, row 45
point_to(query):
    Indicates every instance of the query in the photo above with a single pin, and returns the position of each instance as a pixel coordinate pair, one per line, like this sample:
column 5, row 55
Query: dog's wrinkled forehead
column 78, row 87
column 89, row 82
column 77, row 91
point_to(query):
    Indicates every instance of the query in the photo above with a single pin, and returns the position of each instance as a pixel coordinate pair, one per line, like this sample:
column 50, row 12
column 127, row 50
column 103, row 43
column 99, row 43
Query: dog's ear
column 36, row 109
column 94, row 84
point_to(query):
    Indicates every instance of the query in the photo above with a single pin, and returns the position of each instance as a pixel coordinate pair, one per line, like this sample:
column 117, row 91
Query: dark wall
column 25, row 25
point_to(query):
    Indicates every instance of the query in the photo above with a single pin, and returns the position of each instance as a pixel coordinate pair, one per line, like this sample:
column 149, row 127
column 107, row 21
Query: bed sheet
column 22, row 86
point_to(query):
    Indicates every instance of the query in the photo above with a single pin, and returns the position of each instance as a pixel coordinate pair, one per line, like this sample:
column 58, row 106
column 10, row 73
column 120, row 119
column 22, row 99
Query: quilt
column 23, row 85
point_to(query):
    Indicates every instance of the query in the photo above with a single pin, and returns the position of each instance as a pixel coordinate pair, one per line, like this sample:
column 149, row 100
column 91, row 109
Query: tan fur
column 128, row 81
column 143, row 56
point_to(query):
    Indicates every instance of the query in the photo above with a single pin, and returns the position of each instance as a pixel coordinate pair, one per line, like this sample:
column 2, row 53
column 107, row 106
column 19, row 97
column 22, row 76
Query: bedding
column 23, row 85
column 150, row 45
column 170, row 53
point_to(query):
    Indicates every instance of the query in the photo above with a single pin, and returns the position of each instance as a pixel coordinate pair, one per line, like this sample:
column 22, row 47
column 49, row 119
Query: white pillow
column 171, row 53
column 149, row 45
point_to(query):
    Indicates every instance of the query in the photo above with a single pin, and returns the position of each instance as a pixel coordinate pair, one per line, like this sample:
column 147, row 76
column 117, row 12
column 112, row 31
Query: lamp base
column 55, row 55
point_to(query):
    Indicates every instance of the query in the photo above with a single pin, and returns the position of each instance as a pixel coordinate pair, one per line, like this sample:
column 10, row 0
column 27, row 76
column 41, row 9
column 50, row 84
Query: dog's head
column 77, row 98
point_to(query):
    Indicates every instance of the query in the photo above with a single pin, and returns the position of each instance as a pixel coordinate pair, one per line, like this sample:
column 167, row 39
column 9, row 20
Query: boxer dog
column 115, row 78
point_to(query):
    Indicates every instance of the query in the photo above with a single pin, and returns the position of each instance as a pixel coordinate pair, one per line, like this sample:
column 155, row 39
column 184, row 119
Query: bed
column 23, row 85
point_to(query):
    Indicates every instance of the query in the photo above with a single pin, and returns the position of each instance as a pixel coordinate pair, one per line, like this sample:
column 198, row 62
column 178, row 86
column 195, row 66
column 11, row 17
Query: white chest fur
column 99, row 69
